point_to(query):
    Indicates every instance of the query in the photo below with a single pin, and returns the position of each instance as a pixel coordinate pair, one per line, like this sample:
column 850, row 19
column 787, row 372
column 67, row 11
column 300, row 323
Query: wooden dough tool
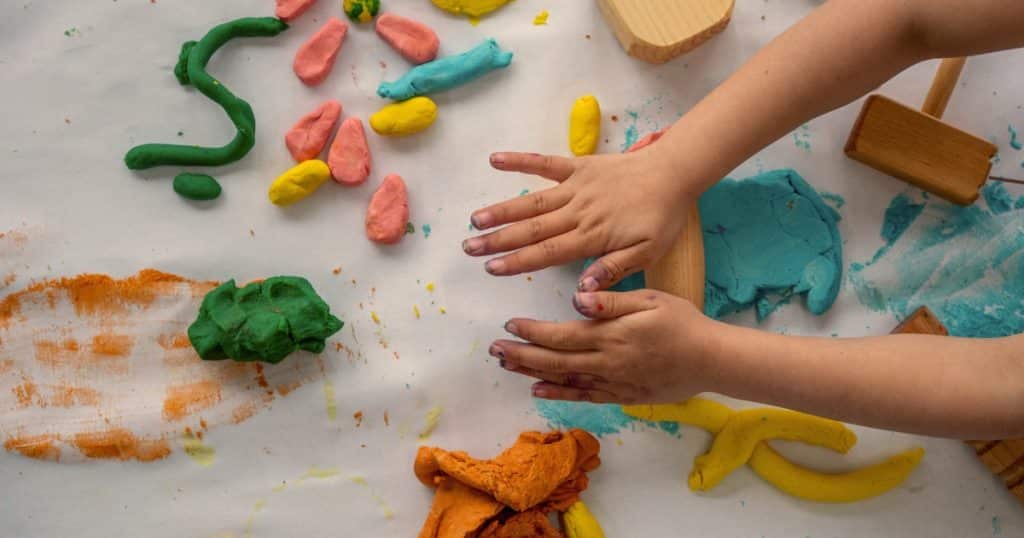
column 656, row 31
column 1004, row 458
column 919, row 148
column 681, row 271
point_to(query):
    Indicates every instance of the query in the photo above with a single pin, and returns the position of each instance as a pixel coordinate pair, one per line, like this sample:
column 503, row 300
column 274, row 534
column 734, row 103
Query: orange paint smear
column 8, row 280
column 69, row 396
column 121, row 444
column 112, row 345
column 25, row 393
column 286, row 388
column 184, row 400
column 40, row 447
column 174, row 341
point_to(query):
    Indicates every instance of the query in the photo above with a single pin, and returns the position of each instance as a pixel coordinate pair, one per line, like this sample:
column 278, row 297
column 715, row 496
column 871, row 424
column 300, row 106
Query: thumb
column 611, row 304
column 609, row 269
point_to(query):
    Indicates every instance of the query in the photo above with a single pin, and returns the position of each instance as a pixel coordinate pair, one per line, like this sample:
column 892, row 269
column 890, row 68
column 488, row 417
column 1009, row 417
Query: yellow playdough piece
column 299, row 182
column 470, row 8
column 578, row 522
column 404, row 118
column 584, row 126
column 700, row 412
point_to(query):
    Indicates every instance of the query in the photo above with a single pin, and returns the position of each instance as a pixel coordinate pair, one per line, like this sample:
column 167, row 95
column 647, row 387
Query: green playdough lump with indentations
column 264, row 321
column 196, row 186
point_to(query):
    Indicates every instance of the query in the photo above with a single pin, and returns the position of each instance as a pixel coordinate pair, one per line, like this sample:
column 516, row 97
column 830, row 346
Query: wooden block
column 681, row 271
column 920, row 150
column 1004, row 458
column 656, row 31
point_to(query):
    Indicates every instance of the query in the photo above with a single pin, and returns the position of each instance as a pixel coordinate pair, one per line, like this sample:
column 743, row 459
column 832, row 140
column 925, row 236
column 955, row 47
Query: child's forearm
column 838, row 53
column 940, row 386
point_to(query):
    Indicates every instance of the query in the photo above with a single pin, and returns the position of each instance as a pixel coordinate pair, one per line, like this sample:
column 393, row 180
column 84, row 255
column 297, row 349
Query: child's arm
column 628, row 208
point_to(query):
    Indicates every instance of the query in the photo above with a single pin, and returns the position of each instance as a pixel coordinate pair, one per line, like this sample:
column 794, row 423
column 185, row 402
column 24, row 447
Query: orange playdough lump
column 307, row 138
column 315, row 58
column 388, row 212
column 530, row 524
column 414, row 40
column 349, row 157
column 289, row 10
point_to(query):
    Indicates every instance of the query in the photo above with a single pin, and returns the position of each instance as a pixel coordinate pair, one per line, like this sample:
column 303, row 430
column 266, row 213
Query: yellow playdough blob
column 578, row 522
column 299, row 182
column 584, row 126
column 700, row 412
column 404, row 118
column 470, row 8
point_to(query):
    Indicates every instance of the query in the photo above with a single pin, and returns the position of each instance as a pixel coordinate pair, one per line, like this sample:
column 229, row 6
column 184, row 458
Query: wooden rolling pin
column 681, row 271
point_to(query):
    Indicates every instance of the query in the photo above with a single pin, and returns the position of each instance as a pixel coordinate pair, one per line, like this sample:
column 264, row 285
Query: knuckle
column 540, row 202
column 556, row 365
column 614, row 269
column 535, row 228
column 549, row 248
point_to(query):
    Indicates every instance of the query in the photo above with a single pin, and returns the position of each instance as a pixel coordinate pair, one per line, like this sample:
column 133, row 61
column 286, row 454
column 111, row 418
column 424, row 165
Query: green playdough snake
column 191, row 69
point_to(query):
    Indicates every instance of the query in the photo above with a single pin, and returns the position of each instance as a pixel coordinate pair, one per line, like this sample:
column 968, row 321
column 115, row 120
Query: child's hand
column 639, row 347
column 626, row 208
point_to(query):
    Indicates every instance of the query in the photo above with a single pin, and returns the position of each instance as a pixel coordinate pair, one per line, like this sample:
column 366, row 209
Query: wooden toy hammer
column 919, row 148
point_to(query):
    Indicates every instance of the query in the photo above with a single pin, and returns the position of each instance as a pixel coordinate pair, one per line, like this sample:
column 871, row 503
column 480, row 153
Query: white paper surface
column 75, row 103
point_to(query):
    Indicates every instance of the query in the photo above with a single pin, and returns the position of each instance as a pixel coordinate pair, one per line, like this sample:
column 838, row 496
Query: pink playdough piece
column 349, row 157
column 289, row 10
column 315, row 58
column 388, row 212
column 415, row 41
column 645, row 141
column 307, row 138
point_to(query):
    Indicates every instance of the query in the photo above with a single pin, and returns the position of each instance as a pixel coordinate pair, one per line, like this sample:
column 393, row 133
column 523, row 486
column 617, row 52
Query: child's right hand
column 626, row 208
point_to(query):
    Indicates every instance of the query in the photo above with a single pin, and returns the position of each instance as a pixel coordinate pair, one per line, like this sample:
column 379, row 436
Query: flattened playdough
column 448, row 72
column 315, row 58
column 414, row 40
column 388, row 213
column 405, row 118
column 264, row 321
column 470, row 8
column 349, row 158
column 299, row 182
column 289, row 10
column 771, row 234
column 308, row 137
column 584, row 126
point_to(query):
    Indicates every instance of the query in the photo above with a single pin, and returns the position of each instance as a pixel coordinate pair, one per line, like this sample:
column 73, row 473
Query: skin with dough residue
column 414, row 40
column 308, row 137
column 584, row 126
column 388, row 212
column 447, row 73
column 405, row 118
column 315, row 58
column 349, row 158
column 289, row 10
column 299, row 182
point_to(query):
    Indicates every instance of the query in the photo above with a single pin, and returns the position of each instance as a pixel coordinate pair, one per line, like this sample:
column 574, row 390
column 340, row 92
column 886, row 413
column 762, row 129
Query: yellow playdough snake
column 772, row 466
column 578, row 522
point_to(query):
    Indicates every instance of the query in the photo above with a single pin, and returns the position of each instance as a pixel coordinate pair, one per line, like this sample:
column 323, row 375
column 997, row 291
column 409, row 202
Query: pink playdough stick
column 413, row 40
column 388, row 212
column 645, row 141
column 307, row 138
column 289, row 10
column 315, row 58
column 349, row 157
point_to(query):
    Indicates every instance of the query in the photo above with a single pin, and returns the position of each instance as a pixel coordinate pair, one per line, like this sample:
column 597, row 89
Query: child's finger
column 609, row 269
column 610, row 304
column 551, row 391
column 520, row 234
column 579, row 381
column 520, row 208
column 575, row 335
column 546, row 360
column 547, row 166
column 552, row 251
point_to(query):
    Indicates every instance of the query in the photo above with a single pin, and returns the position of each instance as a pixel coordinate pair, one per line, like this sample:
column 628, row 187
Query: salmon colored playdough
column 315, row 58
column 645, row 141
column 349, row 157
column 542, row 472
column 308, row 137
column 414, row 40
column 289, row 10
column 388, row 212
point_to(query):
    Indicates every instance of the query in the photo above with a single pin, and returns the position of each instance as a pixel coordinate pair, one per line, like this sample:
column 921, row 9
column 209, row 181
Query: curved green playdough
column 196, row 186
column 191, row 69
column 264, row 321
column 447, row 73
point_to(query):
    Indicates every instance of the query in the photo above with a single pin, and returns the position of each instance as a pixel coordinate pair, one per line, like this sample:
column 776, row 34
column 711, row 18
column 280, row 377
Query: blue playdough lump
column 447, row 73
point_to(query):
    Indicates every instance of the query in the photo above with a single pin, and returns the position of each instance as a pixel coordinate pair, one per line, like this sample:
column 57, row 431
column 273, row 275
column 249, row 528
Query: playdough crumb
column 541, row 19
column 299, row 182
column 349, row 158
column 196, row 186
column 361, row 10
column 404, row 118
column 431, row 287
column 315, row 58
column 289, row 10
column 375, row 317
column 413, row 40
column 388, row 213
column 416, row 311
column 308, row 137
column 584, row 126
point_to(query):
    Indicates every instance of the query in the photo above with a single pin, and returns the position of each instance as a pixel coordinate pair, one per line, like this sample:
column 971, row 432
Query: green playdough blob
column 196, row 186
column 191, row 69
column 769, row 236
column 264, row 321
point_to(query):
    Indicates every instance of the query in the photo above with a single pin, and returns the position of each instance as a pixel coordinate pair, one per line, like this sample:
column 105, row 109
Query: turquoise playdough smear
column 1014, row 143
column 598, row 419
column 964, row 263
column 997, row 198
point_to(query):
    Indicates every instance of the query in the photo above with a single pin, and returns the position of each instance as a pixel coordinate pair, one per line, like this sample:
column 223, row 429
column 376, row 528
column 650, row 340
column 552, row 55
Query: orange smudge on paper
column 112, row 345
column 8, row 280
column 118, row 443
column 174, row 341
column 285, row 388
column 25, row 393
column 6, row 366
column 358, row 415
column 243, row 412
column 40, row 447
column 183, row 400
column 14, row 236
column 70, row 396
column 10, row 306
column 387, row 420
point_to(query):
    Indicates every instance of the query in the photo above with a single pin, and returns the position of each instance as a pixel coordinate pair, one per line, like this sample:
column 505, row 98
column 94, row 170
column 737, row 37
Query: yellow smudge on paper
column 443, row 311
column 541, row 19
column 256, row 508
column 431, row 287
column 329, row 402
column 430, row 422
column 416, row 311
column 359, row 480
column 318, row 473
column 375, row 317
column 200, row 453
column 280, row 487
column 384, row 507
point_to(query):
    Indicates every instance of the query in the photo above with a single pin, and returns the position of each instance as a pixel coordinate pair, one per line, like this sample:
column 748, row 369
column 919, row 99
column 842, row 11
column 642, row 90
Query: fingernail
column 585, row 303
column 480, row 220
column 540, row 392
column 472, row 245
column 495, row 267
column 496, row 351
column 497, row 158
column 588, row 284
column 511, row 328
column 501, row 363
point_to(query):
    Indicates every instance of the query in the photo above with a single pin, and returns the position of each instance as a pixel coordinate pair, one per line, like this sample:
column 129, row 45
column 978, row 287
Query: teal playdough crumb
column 767, row 236
column 997, row 198
column 264, row 321
column 900, row 214
column 196, row 186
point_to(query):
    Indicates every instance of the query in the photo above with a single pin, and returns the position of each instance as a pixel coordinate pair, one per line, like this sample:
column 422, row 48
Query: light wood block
column 681, row 271
column 920, row 150
column 656, row 31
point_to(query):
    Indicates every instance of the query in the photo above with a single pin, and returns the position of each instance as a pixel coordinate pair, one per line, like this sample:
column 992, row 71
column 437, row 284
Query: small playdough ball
column 584, row 126
column 196, row 186
column 470, row 8
column 289, row 10
column 361, row 10
column 388, row 213
column 264, row 321
column 404, row 118
column 308, row 137
column 349, row 157
column 414, row 40
column 315, row 58
column 299, row 182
